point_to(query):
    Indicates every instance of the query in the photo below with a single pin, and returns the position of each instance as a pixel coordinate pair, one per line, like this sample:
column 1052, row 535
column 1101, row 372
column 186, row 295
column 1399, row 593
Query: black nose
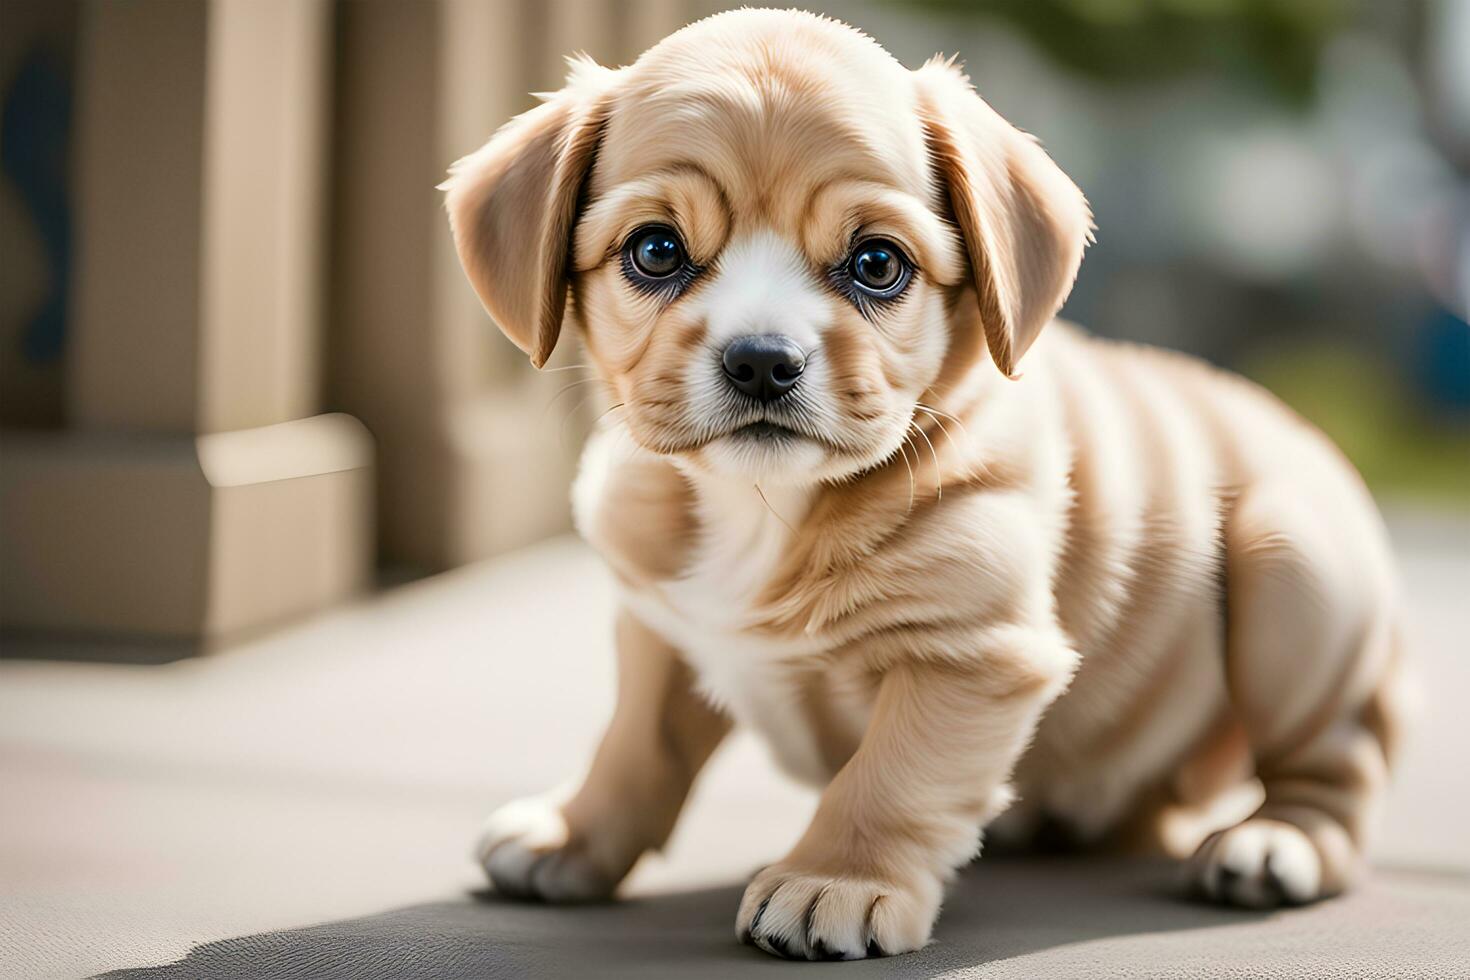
column 764, row 366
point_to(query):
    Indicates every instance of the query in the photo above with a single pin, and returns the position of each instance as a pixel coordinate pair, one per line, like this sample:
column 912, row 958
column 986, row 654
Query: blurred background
column 243, row 380
column 223, row 245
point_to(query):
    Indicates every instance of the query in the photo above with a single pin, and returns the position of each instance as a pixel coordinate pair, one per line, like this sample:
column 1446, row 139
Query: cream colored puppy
column 857, row 498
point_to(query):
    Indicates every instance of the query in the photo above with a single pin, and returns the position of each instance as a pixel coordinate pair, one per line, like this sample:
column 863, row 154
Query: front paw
column 809, row 914
column 1258, row 864
column 529, row 852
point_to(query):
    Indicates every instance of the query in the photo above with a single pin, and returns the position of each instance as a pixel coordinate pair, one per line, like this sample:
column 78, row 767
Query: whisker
column 569, row 367
column 568, row 419
column 564, row 389
column 942, row 427
column 608, row 411
column 938, row 475
column 912, row 485
column 777, row 516
column 976, row 463
column 572, row 414
column 953, row 418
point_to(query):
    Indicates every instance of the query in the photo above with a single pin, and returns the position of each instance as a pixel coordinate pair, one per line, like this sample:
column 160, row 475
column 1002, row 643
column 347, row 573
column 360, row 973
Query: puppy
column 864, row 496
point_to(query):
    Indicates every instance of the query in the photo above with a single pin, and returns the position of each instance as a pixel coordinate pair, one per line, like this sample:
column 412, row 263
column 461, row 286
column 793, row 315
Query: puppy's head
column 776, row 238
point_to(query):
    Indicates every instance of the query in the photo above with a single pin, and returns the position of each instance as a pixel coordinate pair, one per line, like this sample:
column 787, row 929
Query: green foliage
column 1275, row 43
column 1366, row 410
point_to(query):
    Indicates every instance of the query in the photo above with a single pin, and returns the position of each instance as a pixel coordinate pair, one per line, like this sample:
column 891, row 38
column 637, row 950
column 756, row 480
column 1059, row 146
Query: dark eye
column 878, row 268
column 656, row 252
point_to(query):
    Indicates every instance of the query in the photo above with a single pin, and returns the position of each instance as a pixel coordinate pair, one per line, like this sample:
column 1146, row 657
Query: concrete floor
column 340, row 767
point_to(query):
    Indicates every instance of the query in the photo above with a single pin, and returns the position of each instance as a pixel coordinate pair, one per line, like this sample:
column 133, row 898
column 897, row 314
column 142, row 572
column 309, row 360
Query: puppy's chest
column 766, row 682
column 711, row 609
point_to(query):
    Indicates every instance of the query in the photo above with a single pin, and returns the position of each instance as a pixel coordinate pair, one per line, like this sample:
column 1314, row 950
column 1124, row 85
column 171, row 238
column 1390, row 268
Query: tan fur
column 648, row 537
column 899, row 601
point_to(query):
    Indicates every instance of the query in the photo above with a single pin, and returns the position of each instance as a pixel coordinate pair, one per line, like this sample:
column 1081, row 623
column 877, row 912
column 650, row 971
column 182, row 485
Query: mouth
column 766, row 432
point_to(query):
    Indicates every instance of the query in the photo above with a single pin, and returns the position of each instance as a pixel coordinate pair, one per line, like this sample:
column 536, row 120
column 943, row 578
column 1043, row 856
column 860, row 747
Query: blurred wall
column 190, row 487
column 37, row 62
column 474, row 456
column 241, row 364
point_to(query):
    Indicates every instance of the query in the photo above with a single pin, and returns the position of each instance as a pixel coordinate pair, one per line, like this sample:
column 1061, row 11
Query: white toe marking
column 1296, row 865
column 536, row 822
column 1260, row 862
column 523, row 849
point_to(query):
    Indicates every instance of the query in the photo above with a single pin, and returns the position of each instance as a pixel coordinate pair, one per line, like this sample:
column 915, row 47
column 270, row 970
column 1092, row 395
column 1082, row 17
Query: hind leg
column 1311, row 651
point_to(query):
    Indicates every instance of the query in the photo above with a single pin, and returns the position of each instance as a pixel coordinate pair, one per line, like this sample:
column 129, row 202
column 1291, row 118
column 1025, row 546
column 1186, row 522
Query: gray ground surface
column 1012, row 919
column 303, row 806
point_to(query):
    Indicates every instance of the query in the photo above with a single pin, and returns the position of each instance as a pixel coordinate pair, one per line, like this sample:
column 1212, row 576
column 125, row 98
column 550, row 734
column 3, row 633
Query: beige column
column 470, row 464
column 194, row 493
column 476, row 450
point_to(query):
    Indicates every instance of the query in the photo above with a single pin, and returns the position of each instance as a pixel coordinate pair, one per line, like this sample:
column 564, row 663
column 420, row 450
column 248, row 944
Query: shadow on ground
column 1004, row 918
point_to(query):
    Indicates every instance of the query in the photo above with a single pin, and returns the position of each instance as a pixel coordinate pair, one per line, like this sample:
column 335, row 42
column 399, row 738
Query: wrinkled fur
column 1005, row 563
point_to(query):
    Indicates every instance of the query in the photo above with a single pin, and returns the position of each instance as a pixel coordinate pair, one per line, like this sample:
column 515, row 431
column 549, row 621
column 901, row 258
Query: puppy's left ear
column 512, row 204
column 1023, row 220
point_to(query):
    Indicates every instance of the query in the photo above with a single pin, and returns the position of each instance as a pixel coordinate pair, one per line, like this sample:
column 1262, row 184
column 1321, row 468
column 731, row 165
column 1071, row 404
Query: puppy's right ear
column 1023, row 221
column 512, row 204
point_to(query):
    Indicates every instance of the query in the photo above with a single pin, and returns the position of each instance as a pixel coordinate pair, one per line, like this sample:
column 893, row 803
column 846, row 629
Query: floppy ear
column 1023, row 221
column 512, row 204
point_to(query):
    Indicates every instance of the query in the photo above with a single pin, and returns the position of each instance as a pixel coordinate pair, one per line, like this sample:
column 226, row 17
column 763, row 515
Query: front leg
column 907, row 809
column 579, row 847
